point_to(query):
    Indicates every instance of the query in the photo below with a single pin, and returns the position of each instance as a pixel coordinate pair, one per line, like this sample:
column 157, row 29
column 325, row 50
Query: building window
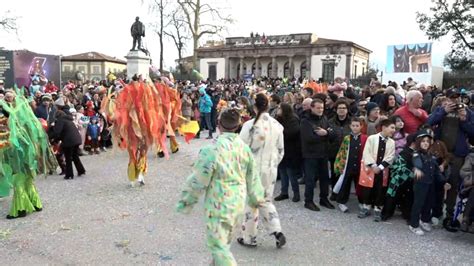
column 328, row 71
column 269, row 69
column 96, row 70
column 303, row 69
column 81, row 69
column 286, row 70
column 67, row 69
column 355, row 71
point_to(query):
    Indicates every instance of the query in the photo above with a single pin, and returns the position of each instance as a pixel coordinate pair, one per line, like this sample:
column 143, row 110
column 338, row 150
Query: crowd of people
column 405, row 147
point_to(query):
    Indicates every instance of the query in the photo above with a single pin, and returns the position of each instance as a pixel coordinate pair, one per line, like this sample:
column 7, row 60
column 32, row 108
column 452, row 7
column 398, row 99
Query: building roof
column 93, row 56
column 324, row 41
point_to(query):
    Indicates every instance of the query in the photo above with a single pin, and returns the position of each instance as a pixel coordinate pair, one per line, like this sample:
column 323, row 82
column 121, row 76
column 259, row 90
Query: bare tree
column 194, row 11
column 178, row 32
column 159, row 7
column 8, row 22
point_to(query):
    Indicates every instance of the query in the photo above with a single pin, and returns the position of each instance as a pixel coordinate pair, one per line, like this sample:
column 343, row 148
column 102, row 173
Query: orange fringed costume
column 172, row 112
column 139, row 123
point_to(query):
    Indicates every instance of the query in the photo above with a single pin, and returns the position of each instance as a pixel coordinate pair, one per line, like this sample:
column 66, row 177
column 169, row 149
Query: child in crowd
column 93, row 135
column 347, row 164
column 83, row 123
column 426, row 172
column 400, row 188
column 467, row 174
column 399, row 136
column 379, row 153
column 371, row 121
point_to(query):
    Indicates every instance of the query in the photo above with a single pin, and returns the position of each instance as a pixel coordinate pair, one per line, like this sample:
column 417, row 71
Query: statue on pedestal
column 138, row 31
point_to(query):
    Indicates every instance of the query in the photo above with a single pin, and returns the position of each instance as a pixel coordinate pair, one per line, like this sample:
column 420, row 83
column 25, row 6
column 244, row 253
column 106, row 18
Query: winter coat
column 467, row 173
column 341, row 129
column 65, row 130
column 461, row 133
column 313, row 145
column 426, row 163
column 187, row 106
column 205, row 104
column 292, row 141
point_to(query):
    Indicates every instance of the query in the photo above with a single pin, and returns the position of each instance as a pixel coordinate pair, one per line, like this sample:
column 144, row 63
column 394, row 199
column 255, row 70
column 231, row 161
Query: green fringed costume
column 24, row 153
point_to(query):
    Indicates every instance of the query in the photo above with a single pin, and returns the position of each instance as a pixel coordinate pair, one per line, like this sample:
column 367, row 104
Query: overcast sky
column 70, row 27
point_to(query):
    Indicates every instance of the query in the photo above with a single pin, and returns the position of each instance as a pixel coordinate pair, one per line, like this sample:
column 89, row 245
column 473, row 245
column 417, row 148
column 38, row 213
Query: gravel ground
column 97, row 219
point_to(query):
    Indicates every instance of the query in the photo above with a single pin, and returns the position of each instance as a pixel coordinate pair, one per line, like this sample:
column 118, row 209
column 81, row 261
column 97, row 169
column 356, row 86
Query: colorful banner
column 6, row 68
column 27, row 64
column 409, row 58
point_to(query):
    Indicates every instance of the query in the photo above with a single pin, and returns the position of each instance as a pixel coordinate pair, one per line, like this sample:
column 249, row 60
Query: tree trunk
column 195, row 46
column 161, row 36
column 197, row 14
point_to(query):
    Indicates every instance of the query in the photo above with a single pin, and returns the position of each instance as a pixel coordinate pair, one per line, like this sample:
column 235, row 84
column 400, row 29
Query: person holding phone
column 453, row 124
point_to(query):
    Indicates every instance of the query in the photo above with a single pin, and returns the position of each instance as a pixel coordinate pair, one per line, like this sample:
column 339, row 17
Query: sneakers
column 363, row 213
column 311, row 206
column 253, row 243
column 434, row 221
column 280, row 239
column 377, row 215
column 425, row 226
column 342, row 207
column 417, row 231
column 281, row 197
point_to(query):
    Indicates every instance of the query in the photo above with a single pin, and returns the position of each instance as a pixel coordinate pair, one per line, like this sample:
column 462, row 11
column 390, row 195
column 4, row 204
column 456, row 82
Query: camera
column 459, row 106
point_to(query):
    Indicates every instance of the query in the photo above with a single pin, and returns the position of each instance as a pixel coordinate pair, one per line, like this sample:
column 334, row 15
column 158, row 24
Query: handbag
column 366, row 176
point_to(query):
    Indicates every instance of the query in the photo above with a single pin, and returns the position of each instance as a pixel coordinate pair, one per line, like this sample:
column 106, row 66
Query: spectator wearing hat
column 371, row 120
column 46, row 110
column 453, row 124
column 426, row 172
column 412, row 113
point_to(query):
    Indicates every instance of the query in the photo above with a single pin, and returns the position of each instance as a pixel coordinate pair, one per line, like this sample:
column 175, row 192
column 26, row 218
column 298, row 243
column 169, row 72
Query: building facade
column 92, row 66
column 294, row 55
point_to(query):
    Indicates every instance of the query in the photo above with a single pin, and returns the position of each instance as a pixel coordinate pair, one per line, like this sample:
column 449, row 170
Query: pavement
column 98, row 220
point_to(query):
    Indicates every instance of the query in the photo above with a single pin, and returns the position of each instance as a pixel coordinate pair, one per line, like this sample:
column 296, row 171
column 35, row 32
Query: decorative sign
column 269, row 40
column 6, row 67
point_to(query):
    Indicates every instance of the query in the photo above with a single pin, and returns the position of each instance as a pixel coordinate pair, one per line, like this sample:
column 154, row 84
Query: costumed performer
column 24, row 153
column 225, row 172
column 138, row 124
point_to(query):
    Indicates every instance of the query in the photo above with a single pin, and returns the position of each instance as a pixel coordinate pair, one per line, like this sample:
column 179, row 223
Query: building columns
column 274, row 67
column 227, row 68
column 348, row 65
column 241, row 70
column 257, row 70
column 308, row 66
column 291, row 67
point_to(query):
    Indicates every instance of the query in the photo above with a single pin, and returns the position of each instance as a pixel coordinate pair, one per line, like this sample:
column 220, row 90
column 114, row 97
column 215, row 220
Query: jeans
column 205, row 121
column 316, row 169
column 423, row 201
column 287, row 175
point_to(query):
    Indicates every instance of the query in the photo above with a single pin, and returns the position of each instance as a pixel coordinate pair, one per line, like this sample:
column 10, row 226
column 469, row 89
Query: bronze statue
column 138, row 31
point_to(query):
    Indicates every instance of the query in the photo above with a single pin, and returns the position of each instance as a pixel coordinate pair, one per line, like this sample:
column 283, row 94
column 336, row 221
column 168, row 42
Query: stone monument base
column 138, row 63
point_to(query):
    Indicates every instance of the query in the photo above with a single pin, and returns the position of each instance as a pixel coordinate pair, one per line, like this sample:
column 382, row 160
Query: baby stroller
column 454, row 224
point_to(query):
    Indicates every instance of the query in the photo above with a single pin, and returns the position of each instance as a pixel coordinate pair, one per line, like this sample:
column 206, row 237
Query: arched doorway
column 269, row 69
column 238, row 70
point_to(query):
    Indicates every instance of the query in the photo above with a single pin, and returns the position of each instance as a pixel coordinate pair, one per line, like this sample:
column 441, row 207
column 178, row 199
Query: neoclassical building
column 293, row 55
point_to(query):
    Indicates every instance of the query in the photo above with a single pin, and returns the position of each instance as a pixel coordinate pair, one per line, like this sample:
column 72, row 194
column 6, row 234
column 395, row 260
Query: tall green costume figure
column 225, row 172
column 24, row 153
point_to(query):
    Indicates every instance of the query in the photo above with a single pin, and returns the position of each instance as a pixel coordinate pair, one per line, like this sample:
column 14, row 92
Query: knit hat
column 46, row 96
column 59, row 102
column 230, row 119
column 370, row 106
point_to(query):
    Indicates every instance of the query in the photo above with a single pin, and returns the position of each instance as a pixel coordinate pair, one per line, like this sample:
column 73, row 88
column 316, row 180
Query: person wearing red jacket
column 412, row 113
column 50, row 87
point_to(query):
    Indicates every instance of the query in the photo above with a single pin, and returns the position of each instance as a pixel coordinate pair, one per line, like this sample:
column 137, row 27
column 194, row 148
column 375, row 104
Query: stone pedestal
column 138, row 63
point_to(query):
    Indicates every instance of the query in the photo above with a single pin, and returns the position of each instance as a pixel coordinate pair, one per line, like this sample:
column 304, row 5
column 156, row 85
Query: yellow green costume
column 225, row 172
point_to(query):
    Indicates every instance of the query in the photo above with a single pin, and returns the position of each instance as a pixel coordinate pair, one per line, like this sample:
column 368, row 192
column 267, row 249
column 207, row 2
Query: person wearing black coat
column 66, row 131
column 315, row 135
column 288, row 167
